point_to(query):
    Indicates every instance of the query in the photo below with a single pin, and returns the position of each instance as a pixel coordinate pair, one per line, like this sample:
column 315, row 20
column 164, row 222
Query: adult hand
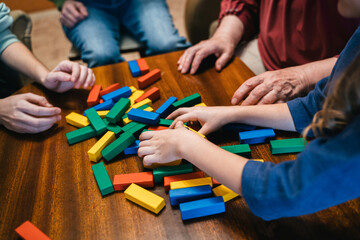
column 210, row 118
column 67, row 75
column 28, row 113
column 72, row 12
column 193, row 56
column 272, row 87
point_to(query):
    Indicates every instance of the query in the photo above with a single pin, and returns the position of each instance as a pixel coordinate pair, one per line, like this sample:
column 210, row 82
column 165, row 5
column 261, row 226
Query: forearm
column 231, row 28
column 18, row 57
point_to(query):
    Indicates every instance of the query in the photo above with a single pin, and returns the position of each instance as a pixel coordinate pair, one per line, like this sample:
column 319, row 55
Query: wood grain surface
column 46, row 181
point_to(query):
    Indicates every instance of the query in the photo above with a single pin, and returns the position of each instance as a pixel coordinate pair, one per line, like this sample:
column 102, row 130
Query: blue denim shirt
column 6, row 36
column 323, row 175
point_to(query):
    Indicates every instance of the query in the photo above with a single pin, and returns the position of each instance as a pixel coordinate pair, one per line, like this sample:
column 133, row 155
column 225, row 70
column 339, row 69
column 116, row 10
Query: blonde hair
column 341, row 105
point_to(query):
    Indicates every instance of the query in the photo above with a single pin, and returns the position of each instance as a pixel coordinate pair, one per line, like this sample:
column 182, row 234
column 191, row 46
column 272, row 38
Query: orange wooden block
column 157, row 128
column 110, row 89
column 94, row 96
column 181, row 177
column 153, row 94
column 215, row 182
column 101, row 101
column 143, row 179
column 144, row 68
column 149, row 78
column 29, row 231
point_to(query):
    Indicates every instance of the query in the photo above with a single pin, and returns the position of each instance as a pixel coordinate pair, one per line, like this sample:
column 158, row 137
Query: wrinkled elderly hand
column 272, row 87
column 72, row 12
column 68, row 75
column 28, row 113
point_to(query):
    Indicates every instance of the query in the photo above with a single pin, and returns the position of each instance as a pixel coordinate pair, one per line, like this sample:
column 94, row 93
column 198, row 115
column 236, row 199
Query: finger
column 70, row 14
column 269, row 98
column 59, row 77
column 149, row 159
column 69, row 67
column 179, row 124
column 144, row 151
column 89, row 80
column 188, row 59
column 82, row 9
column 146, row 135
column 66, row 22
column 73, row 12
column 40, row 100
column 38, row 124
column 255, row 95
column 184, row 118
column 199, row 57
column 178, row 112
column 245, row 89
column 82, row 78
column 279, row 101
column 205, row 130
column 222, row 61
column 36, row 110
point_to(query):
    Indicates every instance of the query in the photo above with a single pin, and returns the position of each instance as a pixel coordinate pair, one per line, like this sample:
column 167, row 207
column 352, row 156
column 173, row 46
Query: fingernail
column 234, row 101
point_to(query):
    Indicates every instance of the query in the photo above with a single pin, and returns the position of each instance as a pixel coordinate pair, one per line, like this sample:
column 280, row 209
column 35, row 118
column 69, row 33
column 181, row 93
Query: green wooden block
column 113, row 127
column 117, row 146
column 118, row 110
column 137, row 129
column 96, row 121
column 161, row 172
column 188, row 101
column 129, row 125
column 80, row 134
column 141, row 107
column 292, row 145
column 165, row 122
column 240, row 149
column 102, row 178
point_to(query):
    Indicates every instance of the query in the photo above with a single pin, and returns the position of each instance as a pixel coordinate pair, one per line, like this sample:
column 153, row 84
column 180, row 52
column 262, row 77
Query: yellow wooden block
column 225, row 192
column 149, row 109
column 95, row 151
column 135, row 96
column 127, row 120
column 144, row 198
column 139, row 104
column 156, row 165
column 259, row 160
column 194, row 131
column 77, row 120
column 103, row 113
column 201, row 105
column 191, row 183
column 133, row 89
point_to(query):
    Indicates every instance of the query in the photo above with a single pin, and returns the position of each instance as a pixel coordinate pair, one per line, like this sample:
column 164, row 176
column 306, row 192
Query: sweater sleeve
column 322, row 176
column 246, row 10
column 6, row 36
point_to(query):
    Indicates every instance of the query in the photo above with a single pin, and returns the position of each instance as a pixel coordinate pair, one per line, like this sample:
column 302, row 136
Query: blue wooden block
column 107, row 105
column 256, row 136
column 165, row 109
column 238, row 127
column 201, row 208
column 123, row 92
column 182, row 195
column 134, row 68
column 142, row 116
column 133, row 148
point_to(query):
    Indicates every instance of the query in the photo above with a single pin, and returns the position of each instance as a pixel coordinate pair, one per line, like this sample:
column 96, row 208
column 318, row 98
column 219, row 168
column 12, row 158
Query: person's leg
column 151, row 23
column 250, row 55
column 97, row 37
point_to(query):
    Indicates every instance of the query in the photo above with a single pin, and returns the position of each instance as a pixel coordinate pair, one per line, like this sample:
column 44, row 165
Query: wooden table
column 46, row 181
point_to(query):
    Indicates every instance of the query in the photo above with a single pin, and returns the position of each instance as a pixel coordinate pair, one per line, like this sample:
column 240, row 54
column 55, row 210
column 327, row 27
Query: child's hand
column 163, row 146
column 68, row 75
column 210, row 118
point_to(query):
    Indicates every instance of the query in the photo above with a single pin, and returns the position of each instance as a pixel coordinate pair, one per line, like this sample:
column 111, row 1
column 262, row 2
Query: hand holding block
column 182, row 195
column 240, row 149
column 256, row 136
column 102, row 178
column 117, row 146
column 157, row 165
column 153, row 94
column 161, row 172
column 77, row 120
column 118, row 110
column 80, row 134
column 191, row 183
column 144, row 198
column 94, row 96
column 110, row 89
column 149, row 78
column 201, row 208
column 115, row 96
column 96, row 122
column 29, row 231
column 142, row 116
column 293, row 145
column 134, row 68
column 189, row 101
column 95, row 151
column 144, row 68
column 181, row 177
column 165, row 109
column 143, row 179
column 225, row 192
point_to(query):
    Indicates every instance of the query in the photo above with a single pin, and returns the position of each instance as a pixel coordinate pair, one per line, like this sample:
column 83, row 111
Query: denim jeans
column 98, row 36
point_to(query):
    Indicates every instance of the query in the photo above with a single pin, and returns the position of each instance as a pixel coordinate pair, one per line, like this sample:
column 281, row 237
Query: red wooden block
column 215, row 182
column 181, row 177
column 153, row 94
column 149, row 78
column 157, row 128
column 143, row 179
column 110, row 89
column 144, row 68
column 94, row 96
column 29, row 231
column 101, row 100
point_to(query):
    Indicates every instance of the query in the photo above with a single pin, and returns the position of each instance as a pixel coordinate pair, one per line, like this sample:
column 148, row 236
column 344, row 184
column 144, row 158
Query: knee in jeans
column 99, row 56
column 165, row 45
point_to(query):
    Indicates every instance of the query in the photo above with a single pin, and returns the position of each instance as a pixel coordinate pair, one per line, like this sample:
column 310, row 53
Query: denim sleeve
column 322, row 176
column 303, row 109
column 6, row 37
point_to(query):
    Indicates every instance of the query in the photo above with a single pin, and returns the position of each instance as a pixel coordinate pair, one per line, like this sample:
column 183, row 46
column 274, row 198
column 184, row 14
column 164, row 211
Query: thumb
column 59, row 77
column 179, row 124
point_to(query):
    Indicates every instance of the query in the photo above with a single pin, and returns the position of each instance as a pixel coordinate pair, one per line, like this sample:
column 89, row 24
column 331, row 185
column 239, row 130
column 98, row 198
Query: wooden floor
column 51, row 46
